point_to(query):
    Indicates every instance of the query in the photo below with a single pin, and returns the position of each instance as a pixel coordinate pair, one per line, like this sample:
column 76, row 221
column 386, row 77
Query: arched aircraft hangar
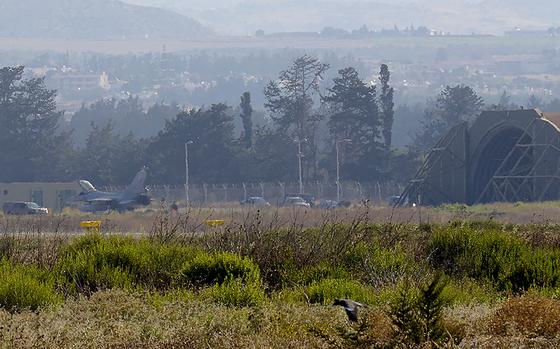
column 503, row 156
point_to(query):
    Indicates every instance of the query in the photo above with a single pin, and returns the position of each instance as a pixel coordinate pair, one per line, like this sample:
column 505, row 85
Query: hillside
column 458, row 16
column 93, row 19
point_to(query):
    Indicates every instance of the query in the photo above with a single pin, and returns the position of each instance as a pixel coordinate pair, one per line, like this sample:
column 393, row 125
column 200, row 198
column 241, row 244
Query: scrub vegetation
column 252, row 284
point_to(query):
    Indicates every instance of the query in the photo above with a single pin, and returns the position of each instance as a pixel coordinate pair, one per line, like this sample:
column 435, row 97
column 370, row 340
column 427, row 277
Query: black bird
column 351, row 308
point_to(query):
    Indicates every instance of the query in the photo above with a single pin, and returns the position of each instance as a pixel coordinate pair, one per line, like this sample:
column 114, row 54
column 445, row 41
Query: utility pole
column 187, row 172
column 300, row 156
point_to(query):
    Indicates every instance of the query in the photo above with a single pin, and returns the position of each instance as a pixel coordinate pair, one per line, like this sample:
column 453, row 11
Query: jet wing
column 100, row 201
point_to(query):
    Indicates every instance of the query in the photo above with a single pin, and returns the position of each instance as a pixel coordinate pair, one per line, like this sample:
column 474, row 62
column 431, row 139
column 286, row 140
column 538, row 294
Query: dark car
column 24, row 208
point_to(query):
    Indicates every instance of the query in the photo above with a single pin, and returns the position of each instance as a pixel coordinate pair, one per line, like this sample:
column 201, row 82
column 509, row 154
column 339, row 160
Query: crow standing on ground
column 351, row 308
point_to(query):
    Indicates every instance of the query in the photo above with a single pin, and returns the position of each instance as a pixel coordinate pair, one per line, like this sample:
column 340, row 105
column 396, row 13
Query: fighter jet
column 134, row 196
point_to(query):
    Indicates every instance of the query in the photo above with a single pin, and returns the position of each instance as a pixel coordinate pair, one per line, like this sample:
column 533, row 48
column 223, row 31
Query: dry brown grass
column 529, row 316
column 118, row 319
column 141, row 222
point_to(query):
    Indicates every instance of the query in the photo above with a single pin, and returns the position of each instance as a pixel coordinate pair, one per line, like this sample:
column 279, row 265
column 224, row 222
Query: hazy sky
column 458, row 16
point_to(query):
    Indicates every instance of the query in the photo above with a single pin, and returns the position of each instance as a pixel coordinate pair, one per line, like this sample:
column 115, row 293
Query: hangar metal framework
column 503, row 156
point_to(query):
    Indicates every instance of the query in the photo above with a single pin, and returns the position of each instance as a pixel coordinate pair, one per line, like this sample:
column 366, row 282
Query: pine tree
column 387, row 105
column 430, row 308
column 354, row 115
column 30, row 139
column 290, row 103
column 452, row 106
column 247, row 118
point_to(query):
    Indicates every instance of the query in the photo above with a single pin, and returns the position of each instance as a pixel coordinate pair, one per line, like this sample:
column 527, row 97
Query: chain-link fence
column 214, row 194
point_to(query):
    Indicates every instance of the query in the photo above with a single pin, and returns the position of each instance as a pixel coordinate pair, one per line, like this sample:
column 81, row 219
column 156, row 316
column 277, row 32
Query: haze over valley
column 456, row 16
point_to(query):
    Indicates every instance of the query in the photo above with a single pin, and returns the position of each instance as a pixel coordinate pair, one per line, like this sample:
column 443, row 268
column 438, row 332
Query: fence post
column 244, row 192
column 360, row 192
column 262, row 189
column 205, row 188
column 225, row 193
column 283, row 187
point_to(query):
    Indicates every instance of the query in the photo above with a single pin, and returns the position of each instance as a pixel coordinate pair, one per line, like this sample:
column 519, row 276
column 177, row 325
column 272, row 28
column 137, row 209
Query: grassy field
column 448, row 277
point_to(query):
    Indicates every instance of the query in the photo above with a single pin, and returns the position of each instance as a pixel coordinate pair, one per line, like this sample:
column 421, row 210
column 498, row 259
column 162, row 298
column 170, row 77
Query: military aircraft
column 134, row 196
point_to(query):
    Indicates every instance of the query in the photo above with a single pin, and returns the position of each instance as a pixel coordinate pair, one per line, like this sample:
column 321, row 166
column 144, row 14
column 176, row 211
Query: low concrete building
column 54, row 196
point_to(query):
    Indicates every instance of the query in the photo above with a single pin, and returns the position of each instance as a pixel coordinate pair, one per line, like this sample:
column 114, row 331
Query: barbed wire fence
column 223, row 194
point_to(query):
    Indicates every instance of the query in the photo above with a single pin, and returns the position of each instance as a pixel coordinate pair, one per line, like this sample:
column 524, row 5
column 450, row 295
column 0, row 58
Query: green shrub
column 314, row 273
column 468, row 291
column 25, row 287
column 85, row 272
column 326, row 291
column 500, row 257
column 378, row 265
column 93, row 262
column 209, row 269
column 233, row 292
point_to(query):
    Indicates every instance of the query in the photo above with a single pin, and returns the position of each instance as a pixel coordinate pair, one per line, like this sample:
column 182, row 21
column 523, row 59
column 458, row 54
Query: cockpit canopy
column 86, row 186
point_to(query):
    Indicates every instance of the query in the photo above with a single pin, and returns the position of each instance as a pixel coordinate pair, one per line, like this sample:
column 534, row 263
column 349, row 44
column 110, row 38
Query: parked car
column 24, row 208
column 310, row 199
column 255, row 201
column 296, row 201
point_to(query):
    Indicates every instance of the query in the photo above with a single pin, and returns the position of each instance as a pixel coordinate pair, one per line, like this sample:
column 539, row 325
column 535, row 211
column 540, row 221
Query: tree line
column 351, row 116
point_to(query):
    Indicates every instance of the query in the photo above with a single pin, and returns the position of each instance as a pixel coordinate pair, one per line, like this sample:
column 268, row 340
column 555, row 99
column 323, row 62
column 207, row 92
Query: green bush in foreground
column 209, row 269
column 326, row 291
column 95, row 263
column 233, row 292
column 499, row 257
column 25, row 287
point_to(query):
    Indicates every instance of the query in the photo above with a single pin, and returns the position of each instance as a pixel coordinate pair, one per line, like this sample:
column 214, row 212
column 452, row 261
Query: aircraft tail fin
column 137, row 185
column 86, row 186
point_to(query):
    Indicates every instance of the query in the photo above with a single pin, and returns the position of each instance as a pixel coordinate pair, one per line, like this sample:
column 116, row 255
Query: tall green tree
column 290, row 101
column 109, row 158
column 32, row 148
column 212, row 155
column 387, row 105
column 354, row 116
column 247, row 118
column 273, row 157
column 453, row 105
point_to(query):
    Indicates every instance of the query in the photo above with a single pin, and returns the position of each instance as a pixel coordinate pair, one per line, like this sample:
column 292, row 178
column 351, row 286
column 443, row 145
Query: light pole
column 187, row 171
column 338, row 167
column 300, row 156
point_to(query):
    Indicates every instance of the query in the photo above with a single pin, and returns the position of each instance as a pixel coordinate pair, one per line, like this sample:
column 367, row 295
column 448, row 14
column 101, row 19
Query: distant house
column 54, row 196
column 73, row 81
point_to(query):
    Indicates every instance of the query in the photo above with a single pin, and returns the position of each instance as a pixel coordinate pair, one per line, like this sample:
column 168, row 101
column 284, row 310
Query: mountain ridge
column 457, row 16
column 93, row 19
